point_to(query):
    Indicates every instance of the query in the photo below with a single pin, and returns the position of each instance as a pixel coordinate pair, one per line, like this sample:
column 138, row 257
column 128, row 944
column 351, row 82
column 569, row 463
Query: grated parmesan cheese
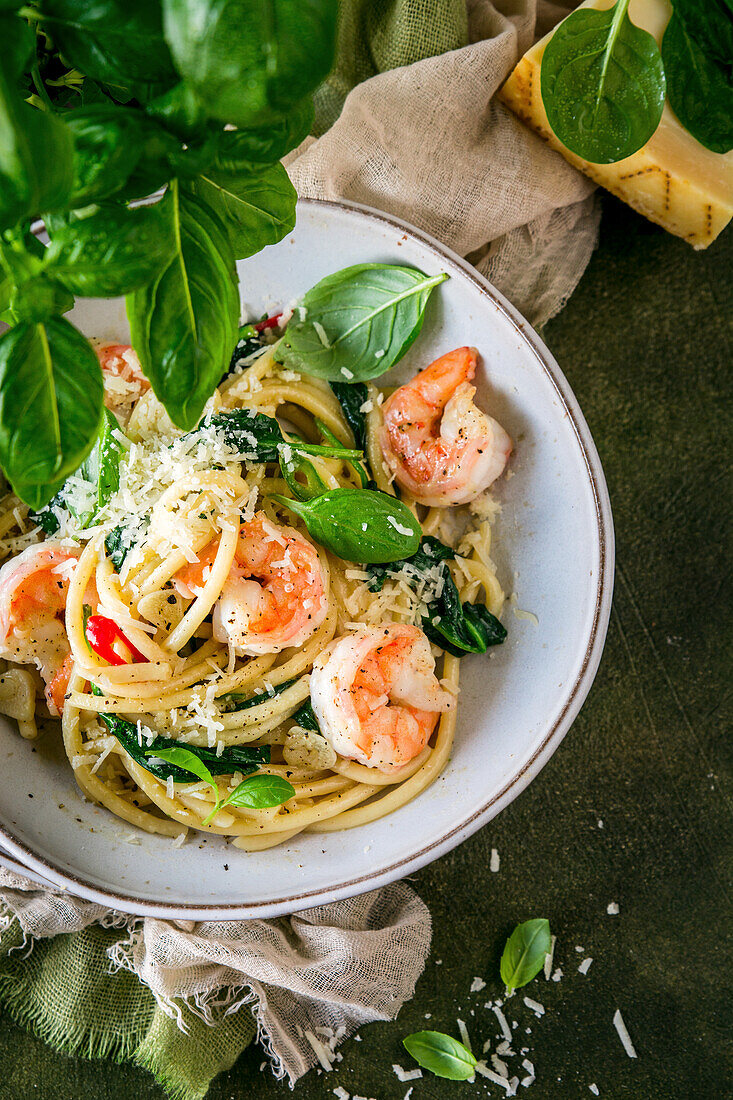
column 465, row 1038
column 623, row 1034
column 494, row 862
column 406, row 1074
column 585, row 966
column 505, row 1030
column 536, row 1007
column 612, row 909
column 549, row 958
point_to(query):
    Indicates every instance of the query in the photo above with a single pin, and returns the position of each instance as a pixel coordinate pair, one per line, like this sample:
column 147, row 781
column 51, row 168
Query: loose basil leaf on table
column 184, row 323
column 441, row 1054
column 602, row 84
column 699, row 86
column 103, row 251
column 256, row 204
column 260, row 792
column 359, row 525
column 36, row 158
column 358, row 322
column 248, row 64
column 238, row 758
column 525, row 952
column 50, row 406
column 116, row 42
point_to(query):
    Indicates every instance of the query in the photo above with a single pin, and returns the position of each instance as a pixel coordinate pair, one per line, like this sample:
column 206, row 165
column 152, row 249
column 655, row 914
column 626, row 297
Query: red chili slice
column 269, row 322
column 108, row 641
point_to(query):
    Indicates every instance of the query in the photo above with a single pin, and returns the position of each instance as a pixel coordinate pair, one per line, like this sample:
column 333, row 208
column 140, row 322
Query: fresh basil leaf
column 359, row 525
column 117, row 42
column 441, row 1054
column 38, row 298
column 101, row 252
column 249, row 63
column 524, row 953
column 184, row 323
column 108, row 142
column 305, row 717
column 256, row 205
column 358, row 322
column 699, row 87
column 709, row 23
column 184, row 760
column 238, row 758
column 293, row 463
column 36, row 158
column 18, row 44
column 100, row 470
column 239, row 149
column 351, row 397
column 179, row 111
column 50, row 406
column 260, row 792
column 602, row 84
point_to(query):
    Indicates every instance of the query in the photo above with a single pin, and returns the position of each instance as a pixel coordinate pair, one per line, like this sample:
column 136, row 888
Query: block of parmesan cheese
column 673, row 179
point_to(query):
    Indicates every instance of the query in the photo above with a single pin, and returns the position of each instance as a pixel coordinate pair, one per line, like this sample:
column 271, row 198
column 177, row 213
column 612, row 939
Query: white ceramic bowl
column 553, row 546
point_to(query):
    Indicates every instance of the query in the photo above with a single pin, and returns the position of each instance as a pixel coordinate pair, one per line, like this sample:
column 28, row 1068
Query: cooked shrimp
column 33, row 589
column 376, row 696
column 275, row 595
column 124, row 381
column 439, row 445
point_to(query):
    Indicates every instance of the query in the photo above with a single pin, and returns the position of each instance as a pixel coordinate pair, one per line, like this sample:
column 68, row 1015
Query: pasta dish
column 255, row 628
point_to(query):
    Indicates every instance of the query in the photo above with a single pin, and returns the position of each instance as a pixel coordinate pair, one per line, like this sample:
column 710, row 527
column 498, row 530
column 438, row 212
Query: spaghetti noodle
column 154, row 566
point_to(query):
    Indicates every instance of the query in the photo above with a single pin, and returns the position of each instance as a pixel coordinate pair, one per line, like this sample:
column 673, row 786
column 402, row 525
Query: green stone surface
column 646, row 344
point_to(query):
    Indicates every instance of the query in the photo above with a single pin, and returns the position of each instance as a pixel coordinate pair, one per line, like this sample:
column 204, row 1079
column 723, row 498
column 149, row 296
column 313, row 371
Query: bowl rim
column 48, row 873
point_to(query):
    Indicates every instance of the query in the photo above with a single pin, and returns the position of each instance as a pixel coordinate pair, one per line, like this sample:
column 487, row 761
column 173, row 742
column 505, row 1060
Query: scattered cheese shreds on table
column 549, row 958
column 623, row 1034
column 494, row 862
column 406, row 1074
column 585, row 966
column 537, row 1008
column 612, row 909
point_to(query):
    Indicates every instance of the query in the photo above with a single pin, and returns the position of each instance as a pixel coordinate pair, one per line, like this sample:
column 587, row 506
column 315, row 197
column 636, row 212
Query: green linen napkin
column 377, row 35
column 63, row 992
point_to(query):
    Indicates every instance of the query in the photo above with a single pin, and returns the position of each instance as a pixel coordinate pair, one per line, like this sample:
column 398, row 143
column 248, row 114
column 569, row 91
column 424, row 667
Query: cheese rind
column 673, row 180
